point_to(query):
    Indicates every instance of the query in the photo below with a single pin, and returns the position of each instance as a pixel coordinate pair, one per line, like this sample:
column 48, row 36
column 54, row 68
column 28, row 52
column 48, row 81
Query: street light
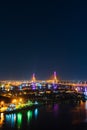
column 2, row 103
column 14, row 101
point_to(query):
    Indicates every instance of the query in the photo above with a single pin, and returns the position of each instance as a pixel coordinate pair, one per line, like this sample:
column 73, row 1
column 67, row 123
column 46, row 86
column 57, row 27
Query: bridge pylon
column 33, row 78
column 55, row 80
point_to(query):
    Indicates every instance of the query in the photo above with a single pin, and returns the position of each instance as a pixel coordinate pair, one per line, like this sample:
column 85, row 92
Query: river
column 64, row 115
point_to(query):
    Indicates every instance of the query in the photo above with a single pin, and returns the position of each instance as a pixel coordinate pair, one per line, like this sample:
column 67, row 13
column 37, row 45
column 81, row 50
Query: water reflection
column 11, row 120
column 49, row 108
column 86, row 111
column 55, row 109
column 79, row 113
column 36, row 113
column 29, row 116
column 53, row 114
column 86, row 105
column 19, row 120
column 1, row 119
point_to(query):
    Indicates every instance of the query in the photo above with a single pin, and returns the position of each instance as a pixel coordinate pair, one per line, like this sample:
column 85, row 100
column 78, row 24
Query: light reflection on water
column 55, row 110
column 19, row 120
column 57, row 113
column 29, row 116
column 13, row 120
column 86, row 105
column 10, row 120
column 86, row 112
column 36, row 113
column 1, row 119
column 79, row 113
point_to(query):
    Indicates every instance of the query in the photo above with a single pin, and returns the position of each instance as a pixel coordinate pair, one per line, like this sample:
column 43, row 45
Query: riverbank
column 18, row 104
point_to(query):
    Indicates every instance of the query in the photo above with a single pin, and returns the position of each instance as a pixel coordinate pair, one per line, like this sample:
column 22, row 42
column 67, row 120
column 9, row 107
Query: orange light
column 20, row 100
column 14, row 101
column 2, row 102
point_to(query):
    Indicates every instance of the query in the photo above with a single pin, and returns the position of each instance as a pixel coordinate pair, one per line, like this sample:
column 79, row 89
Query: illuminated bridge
column 78, row 86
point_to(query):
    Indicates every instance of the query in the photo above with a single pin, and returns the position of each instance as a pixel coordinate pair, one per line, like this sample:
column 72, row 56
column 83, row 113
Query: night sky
column 41, row 37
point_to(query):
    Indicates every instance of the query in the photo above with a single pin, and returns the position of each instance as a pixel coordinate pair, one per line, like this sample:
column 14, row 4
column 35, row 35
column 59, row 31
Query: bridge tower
column 55, row 80
column 33, row 82
column 33, row 78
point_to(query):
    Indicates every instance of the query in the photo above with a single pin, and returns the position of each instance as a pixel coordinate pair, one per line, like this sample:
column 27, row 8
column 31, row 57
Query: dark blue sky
column 41, row 37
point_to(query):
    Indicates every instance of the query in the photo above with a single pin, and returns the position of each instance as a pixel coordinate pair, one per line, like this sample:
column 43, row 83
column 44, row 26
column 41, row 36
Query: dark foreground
column 65, row 115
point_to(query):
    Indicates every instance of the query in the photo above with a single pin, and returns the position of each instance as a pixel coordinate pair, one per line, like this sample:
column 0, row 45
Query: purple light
column 33, row 74
column 33, row 86
column 85, row 89
column 55, row 74
column 56, row 107
column 85, row 93
column 54, row 86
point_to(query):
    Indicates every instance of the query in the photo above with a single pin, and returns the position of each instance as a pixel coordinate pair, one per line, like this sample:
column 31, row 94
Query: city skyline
column 43, row 37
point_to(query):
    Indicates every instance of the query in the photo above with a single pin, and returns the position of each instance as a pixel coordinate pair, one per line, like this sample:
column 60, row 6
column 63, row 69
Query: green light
column 19, row 120
column 29, row 116
column 30, row 103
